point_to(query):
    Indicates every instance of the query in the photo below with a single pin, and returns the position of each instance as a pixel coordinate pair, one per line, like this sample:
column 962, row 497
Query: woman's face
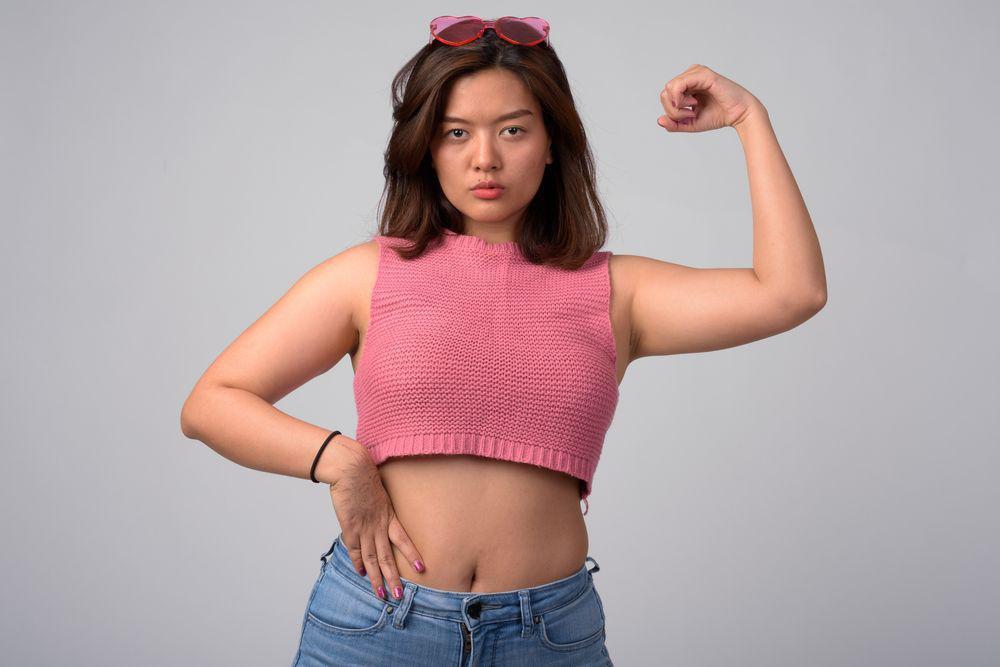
column 481, row 138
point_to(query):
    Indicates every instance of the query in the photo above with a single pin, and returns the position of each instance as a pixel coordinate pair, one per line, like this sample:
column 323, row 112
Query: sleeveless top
column 472, row 349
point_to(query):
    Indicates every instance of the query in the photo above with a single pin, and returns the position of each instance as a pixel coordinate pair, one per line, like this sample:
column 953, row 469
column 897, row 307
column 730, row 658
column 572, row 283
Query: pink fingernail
column 418, row 565
column 398, row 592
column 363, row 571
column 381, row 592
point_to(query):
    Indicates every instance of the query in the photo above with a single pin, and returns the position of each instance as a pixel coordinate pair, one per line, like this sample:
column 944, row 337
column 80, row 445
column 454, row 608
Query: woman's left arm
column 676, row 308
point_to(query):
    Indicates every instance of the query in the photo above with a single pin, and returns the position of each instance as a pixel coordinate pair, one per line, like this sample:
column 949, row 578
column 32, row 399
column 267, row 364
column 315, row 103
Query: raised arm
column 677, row 308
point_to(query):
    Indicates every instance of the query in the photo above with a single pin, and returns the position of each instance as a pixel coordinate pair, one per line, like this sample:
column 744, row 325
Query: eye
column 449, row 133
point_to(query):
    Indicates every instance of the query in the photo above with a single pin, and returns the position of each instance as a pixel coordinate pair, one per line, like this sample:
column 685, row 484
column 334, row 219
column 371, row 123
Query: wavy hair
column 564, row 224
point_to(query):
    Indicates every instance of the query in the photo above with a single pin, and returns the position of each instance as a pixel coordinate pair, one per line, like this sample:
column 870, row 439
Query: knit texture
column 472, row 349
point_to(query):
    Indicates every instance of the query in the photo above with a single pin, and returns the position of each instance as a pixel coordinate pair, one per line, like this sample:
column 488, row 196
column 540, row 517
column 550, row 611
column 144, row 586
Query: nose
column 487, row 155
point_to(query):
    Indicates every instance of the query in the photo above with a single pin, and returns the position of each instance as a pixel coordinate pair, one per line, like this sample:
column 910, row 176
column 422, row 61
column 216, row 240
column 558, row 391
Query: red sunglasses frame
column 491, row 24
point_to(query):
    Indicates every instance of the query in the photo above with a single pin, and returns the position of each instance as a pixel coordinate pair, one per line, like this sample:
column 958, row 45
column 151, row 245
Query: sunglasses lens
column 529, row 30
column 456, row 29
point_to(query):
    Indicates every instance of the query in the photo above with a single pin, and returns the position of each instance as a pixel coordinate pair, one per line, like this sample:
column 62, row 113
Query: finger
column 674, row 112
column 694, row 79
column 689, row 101
column 399, row 537
column 671, row 125
column 672, row 94
column 387, row 562
column 353, row 546
column 370, row 555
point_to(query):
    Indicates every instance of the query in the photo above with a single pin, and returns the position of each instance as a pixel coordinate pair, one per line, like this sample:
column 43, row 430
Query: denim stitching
column 351, row 632
column 493, row 653
column 365, row 589
column 456, row 593
column 305, row 616
column 582, row 643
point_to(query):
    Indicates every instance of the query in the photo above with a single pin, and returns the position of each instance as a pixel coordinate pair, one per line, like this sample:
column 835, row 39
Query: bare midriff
column 486, row 525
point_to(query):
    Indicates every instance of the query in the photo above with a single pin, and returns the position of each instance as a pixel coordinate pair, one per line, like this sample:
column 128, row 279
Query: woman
column 489, row 335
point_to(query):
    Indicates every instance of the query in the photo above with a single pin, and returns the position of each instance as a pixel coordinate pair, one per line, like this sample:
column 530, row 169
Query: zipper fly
column 466, row 639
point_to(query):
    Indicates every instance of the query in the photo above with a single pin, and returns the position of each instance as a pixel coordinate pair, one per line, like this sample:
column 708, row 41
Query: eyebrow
column 506, row 116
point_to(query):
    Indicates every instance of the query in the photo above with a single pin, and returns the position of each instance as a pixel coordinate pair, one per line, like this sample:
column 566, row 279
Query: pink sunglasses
column 459, row 30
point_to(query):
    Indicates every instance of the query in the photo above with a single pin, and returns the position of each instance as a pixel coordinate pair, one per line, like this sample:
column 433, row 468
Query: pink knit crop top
column 472, row 349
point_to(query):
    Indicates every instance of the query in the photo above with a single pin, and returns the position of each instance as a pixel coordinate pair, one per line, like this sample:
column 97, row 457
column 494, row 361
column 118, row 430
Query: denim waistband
column 466, row 606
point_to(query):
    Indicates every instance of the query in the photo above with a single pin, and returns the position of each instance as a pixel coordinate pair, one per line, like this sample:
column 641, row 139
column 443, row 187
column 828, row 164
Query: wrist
column 341, row 452
column 754, row 114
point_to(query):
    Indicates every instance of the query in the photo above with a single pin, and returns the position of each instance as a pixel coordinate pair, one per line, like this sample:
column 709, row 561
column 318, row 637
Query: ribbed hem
column 487, row 446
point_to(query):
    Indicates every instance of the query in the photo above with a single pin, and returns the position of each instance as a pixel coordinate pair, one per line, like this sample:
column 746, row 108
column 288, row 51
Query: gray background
column 823, row 497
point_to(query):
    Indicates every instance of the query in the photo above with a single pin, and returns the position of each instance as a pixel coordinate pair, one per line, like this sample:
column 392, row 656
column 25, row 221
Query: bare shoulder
column 353, row 271
column 354, row 258
column 623, row 270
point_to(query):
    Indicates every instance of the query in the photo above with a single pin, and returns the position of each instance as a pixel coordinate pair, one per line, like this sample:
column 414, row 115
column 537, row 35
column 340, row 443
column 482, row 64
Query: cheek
column 532, row 162
column 449, row 177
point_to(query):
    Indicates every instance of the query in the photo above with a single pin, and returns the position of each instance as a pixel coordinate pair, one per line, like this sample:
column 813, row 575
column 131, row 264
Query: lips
column 487, row 185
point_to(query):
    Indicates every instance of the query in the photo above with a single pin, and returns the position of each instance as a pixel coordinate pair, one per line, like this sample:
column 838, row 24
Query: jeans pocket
column 340, row 607
column 574, row 625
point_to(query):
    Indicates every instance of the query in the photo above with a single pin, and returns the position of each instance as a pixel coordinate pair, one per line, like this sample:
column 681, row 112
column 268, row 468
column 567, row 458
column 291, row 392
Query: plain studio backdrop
column 823, row 497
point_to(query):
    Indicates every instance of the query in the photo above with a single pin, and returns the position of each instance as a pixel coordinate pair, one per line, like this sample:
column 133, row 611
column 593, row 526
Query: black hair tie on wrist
column 312, row 471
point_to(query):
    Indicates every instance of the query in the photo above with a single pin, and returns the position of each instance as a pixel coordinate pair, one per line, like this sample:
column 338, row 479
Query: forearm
column 786, row 251
column 248, row 430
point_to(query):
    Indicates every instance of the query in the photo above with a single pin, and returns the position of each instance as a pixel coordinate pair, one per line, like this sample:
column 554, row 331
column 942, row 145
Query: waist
column 497, row 606
column 484, row 525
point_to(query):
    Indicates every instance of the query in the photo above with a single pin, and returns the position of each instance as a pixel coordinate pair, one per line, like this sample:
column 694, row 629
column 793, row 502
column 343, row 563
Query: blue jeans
column 558, row 623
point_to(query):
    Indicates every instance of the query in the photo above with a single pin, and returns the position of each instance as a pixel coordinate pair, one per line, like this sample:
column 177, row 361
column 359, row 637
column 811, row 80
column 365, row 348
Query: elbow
column 187, row 420
column 187, row 430
column 801, row 306
column 199, row 407
column 818, row 300
column 809, row 306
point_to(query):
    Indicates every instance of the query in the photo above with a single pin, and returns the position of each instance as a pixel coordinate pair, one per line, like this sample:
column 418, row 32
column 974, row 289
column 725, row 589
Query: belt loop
column 409, row 590
column 596, row 567
column 330, row 550
column 527, row 622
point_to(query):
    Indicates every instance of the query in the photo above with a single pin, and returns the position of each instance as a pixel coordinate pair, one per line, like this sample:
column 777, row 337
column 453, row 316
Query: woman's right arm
column 303, row 335
column 231, row 408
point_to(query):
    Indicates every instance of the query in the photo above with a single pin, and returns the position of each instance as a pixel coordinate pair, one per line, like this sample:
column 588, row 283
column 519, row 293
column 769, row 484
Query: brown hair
column 563, row 225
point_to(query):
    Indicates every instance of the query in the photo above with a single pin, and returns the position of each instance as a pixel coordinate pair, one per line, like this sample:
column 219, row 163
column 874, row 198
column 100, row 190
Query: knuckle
column 397, row 534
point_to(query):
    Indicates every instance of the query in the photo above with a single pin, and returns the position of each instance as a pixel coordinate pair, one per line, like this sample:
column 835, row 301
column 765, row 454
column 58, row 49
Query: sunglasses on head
column 459, row 30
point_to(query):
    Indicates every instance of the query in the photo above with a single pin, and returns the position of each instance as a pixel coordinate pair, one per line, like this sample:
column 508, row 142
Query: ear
column 548, row 154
